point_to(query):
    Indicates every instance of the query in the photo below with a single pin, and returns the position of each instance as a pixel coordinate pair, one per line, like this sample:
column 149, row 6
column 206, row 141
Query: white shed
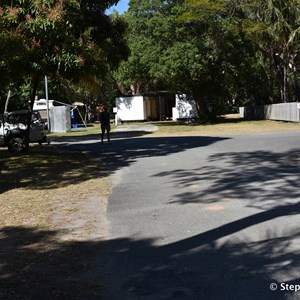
column 161, row 107
column 185, row 108
column 130, row 108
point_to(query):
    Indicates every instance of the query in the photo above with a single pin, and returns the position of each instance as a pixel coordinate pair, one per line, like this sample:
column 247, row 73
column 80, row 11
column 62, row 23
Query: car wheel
column 17, row 144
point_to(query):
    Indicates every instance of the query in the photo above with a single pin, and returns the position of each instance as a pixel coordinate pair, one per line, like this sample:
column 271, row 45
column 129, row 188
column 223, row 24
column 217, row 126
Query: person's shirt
column 105, row 118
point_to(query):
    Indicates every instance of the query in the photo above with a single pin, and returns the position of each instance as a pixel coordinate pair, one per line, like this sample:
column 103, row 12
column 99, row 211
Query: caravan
column 40, row 105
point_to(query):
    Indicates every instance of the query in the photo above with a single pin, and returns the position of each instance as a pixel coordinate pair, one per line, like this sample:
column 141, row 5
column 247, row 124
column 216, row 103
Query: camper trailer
column 40, row 105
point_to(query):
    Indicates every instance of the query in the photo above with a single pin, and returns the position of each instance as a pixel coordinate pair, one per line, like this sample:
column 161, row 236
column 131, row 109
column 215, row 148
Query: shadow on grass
column 46, row 169
column 232, row 120
column 34, row 265
column 195, row 122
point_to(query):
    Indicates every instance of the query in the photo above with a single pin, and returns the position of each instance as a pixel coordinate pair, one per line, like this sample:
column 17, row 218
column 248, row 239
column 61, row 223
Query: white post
column 115, row 111
column 47, row 101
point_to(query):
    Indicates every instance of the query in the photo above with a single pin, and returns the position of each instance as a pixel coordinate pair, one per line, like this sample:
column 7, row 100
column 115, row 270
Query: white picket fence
column 281, row 112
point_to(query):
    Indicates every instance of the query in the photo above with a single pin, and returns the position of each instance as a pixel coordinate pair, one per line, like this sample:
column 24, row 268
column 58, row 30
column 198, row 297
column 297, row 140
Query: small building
column 60, row 119
column 159, row 107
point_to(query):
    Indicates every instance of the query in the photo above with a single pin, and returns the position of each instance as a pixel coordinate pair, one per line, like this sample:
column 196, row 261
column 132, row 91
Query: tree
column 190, row 48
column 67, row 39
column 133, row 75
column 273, row 28
column 230, row 50
column 12, row 54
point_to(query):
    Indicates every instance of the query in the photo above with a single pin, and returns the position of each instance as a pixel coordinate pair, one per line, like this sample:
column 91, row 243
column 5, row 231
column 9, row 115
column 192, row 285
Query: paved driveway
column 203, row 217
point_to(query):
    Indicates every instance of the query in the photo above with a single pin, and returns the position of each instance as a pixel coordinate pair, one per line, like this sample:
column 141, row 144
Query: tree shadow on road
column 35, row 265
column 263, row 178
column 125, row 151
column 126, row 148
column 64, row 140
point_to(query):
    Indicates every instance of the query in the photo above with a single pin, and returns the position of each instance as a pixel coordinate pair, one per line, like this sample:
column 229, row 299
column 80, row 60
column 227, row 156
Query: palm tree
column 274, row 26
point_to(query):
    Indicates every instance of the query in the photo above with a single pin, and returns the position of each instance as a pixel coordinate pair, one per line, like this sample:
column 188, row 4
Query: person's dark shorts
column 105, row 127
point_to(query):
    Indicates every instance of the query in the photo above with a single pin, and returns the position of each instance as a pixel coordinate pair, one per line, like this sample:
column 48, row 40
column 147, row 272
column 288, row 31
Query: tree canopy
column 274, row 27
column 203, row 56
column 67, row 39
column 221, row 52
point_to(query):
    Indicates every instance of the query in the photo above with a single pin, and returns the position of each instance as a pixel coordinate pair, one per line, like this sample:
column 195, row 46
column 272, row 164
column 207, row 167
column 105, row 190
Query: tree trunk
column 284, row 65
column 296, row 87
column 285, row 77
column 34, row 86
column 268, row 78
column 7, row 101
column 203, row 111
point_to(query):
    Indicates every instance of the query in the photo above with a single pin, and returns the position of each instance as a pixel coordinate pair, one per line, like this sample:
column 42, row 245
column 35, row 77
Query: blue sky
column 120, row 7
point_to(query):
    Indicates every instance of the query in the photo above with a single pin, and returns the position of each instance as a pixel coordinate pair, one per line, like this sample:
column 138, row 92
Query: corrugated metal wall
column 280, row 112
column 60, row 119
column 283, row 112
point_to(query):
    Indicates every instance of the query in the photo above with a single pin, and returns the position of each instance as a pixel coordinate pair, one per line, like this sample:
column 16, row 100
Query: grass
column 32, row 182
column 43, row 197
column 91, row 129
column 81, row 131
column 229, row 125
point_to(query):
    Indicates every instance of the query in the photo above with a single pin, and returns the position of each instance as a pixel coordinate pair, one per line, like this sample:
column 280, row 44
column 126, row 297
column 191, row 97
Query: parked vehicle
column 13, row 127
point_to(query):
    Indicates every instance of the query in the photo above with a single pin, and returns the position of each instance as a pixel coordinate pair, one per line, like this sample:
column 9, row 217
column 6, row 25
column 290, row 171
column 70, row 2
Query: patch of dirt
column 84, row 220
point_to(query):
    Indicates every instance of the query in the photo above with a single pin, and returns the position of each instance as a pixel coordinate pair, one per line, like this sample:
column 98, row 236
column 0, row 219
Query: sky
column 120, row 7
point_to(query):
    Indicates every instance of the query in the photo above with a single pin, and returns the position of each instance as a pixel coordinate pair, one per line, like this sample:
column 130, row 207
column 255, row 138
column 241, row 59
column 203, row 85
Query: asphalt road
column 203, row 217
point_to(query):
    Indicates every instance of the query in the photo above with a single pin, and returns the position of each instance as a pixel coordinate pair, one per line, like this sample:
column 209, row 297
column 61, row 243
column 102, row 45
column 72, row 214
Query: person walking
column 105, row 123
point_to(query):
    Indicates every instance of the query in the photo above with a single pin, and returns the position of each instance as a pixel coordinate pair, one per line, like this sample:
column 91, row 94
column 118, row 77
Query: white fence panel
column 283, row 112
column 280, row 112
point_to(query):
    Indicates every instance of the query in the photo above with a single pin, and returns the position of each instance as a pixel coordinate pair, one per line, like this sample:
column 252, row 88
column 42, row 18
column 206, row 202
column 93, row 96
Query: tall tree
column 274, row 27
column 67, row 38
column 190, row 48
